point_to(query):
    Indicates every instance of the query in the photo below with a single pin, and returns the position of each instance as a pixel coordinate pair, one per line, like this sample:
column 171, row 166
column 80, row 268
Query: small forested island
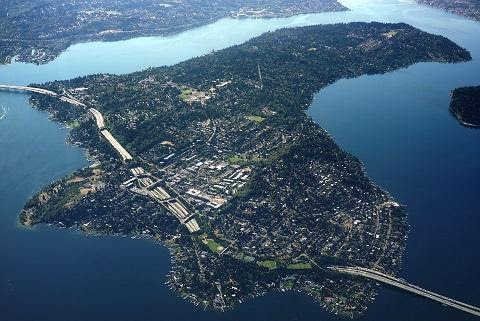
column 465, row 105
column 221, row 165
column 466, row 8
column 37, row 31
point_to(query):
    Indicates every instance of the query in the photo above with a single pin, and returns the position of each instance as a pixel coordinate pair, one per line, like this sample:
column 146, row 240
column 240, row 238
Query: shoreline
column 132, row 34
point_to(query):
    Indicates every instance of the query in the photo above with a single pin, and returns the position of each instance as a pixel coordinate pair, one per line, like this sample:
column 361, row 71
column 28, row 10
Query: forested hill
column 300, row 61
column 293, row 63
column 465, row 105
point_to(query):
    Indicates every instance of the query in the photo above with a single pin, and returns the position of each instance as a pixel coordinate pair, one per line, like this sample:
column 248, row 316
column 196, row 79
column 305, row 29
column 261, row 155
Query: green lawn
column 211, row 243
column 299, row 266
column 243, row 257
column 73, row 124
column 214, row 246
column 288, row 285
column 186, row 92
column 243, row 159
column 236, row 159
column 255, row 119
column 268, row 264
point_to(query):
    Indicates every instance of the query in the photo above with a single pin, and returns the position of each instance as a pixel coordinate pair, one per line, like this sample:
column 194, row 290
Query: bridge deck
column 390, row 280
column 30, row 89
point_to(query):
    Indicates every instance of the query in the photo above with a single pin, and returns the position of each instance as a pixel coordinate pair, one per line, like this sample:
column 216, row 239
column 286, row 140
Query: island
column 216, row 159
column 465, row 105
column 466, row 8
column 38, row 31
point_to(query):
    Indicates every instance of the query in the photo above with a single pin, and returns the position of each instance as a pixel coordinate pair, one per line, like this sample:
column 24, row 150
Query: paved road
column 30, row 89
column 98, row 118
column 118, row 147
column 124, row 154
column 171, row 204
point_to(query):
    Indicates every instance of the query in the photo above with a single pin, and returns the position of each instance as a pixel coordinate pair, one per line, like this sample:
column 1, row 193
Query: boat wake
column 5, row 110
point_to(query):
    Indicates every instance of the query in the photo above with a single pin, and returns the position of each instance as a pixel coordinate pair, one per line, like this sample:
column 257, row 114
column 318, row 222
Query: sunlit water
column 397, row 124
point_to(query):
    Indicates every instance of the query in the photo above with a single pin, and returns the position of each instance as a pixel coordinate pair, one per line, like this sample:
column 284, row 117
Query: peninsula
column 216, row 159
column 465, row 105
column 38, row 31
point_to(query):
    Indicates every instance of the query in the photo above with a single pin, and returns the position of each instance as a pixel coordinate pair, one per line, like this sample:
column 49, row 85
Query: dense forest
column 465, row 105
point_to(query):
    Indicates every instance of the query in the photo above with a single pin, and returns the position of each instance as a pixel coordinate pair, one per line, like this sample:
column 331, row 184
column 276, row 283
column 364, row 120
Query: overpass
column 404, row 285
column 171, row 204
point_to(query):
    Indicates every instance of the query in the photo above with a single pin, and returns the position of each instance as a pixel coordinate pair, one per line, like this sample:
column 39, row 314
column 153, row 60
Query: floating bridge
column 404, row 285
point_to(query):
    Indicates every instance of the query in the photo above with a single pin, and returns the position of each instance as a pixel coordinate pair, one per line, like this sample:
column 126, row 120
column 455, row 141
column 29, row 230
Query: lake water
column 398, row 124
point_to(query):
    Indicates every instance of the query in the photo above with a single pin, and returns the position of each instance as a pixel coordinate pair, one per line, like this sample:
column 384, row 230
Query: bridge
column 404, row 285
column 72, row 101
column 28, row 89
column 116, row 145
column 124, row 154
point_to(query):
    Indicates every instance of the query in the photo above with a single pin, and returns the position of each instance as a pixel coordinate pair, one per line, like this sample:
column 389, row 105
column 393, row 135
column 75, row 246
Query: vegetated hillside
column 465, row 105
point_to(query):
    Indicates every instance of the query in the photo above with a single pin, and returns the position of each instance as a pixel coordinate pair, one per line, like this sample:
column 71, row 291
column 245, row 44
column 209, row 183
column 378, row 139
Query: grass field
column 186, row 92
column 268, row 264
column 255, row 119
column 236, row 159
column 73, row 124
column 299, row 266
column 212, row 244
column 243, row 159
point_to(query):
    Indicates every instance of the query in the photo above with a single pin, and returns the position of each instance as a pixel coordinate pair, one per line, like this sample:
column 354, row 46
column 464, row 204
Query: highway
column 173, row 205
column 28, row 89
column 98, row 118
column 401, row 284
column 118, row 147
column 124, row 154
column 72, row 101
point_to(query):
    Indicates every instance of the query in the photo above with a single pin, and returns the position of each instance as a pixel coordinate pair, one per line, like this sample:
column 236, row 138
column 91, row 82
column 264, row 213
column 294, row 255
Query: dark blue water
column 52, row 274
column 397, row 124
